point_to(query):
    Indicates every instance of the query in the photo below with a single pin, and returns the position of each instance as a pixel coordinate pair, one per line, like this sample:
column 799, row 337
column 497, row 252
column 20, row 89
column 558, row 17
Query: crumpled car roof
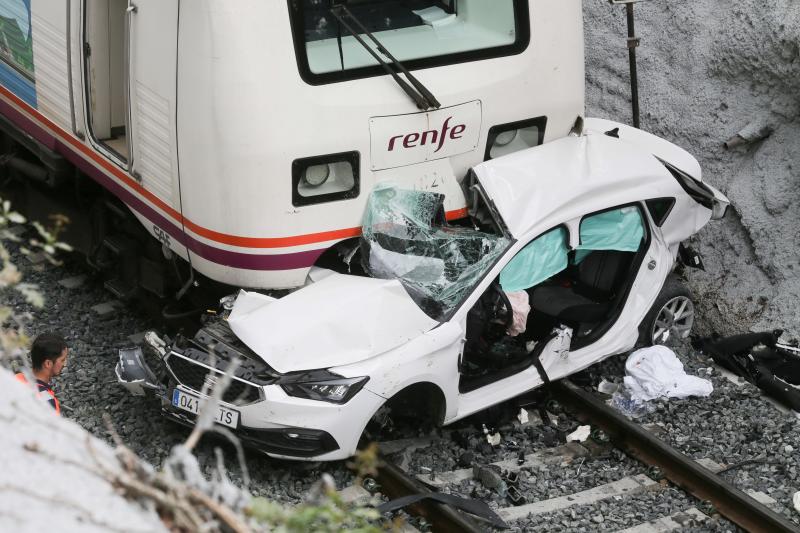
column 570, row 177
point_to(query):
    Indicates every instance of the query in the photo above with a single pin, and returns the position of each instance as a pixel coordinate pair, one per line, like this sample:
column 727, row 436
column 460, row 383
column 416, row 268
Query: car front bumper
column 277, row 424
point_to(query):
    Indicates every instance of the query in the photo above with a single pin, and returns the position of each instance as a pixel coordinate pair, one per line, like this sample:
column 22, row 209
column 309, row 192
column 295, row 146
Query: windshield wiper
column 421, row 96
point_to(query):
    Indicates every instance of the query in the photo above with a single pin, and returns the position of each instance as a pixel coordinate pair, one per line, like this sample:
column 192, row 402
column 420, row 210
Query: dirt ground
column 709, row 69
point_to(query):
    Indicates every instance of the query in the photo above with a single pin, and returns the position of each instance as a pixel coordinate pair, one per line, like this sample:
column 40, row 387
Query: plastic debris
column 656, row 371
column 796, row 501
column 511, row 478
column 760, row 359
column 515, row 497
column 562, row 341
column 523, row 416
column 580, row 434
column 607, row 387
column 491, row 438
column 622, row 402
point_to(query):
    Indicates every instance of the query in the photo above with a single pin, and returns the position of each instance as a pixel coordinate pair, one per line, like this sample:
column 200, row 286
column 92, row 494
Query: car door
column 648, row 271
column 541, row 258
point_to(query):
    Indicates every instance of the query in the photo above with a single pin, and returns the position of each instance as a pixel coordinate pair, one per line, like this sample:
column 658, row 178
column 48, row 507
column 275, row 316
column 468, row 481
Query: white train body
column 200, row 115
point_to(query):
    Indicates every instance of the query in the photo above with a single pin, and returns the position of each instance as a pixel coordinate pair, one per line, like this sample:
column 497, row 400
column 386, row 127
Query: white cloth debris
column 520, row 307
column 656, row 371
column 580, row 434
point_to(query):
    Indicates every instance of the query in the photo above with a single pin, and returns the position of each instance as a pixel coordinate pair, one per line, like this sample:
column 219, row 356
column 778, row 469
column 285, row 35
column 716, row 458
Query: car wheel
column 671, row 317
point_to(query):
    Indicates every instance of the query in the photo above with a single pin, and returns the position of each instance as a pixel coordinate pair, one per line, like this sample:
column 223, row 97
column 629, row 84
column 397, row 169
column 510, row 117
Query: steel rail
column 732, row 503
column 395, row 483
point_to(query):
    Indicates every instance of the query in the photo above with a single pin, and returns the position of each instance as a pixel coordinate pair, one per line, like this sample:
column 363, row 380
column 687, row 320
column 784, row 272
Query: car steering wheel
column 501, row 306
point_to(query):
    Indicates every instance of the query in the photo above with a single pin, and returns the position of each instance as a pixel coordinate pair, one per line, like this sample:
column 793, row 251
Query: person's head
column 48, row 355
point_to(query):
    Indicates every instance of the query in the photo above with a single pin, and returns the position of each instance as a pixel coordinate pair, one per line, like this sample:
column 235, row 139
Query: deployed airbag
column 619, row 229
column 544, row 257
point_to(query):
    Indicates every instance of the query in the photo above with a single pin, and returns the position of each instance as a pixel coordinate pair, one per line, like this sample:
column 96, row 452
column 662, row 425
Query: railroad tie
column 621, row 487
column 665, row 524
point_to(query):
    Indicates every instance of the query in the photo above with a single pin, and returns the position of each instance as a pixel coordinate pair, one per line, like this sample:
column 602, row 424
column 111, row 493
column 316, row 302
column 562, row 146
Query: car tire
column 670, row 317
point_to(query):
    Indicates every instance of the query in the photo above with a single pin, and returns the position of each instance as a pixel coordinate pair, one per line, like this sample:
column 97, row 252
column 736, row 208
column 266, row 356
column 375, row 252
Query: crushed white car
column 565, row 260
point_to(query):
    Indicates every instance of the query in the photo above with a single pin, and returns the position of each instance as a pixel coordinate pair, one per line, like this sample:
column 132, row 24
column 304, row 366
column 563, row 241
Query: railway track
column 750, row 510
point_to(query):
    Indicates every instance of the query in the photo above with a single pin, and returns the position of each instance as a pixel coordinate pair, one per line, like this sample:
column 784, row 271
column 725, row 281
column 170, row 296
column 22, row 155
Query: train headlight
column 316, row 175
column 325, row 178
column 508, row 138
column 505, row 137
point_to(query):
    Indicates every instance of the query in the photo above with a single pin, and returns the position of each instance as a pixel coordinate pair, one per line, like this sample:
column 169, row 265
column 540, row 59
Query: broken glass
column 406, row 237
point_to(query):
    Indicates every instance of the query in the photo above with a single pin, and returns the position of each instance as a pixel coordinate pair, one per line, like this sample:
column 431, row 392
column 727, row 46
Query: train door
column 153, row 30
column 130, row 71
column 104, row 74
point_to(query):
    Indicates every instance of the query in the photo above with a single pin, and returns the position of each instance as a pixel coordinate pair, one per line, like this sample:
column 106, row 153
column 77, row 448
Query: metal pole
column 633, row 42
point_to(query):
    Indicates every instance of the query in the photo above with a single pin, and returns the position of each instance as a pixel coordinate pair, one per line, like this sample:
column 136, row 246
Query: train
column 236, row 143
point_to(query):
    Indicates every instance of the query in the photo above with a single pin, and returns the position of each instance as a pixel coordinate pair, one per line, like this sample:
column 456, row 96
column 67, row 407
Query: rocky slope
column 56, row 473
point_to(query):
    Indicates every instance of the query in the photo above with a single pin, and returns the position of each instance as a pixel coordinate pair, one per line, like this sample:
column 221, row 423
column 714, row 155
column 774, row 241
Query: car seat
column 590, row 296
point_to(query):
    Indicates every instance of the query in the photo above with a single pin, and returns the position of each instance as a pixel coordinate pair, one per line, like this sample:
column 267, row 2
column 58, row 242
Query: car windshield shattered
column 406, row 237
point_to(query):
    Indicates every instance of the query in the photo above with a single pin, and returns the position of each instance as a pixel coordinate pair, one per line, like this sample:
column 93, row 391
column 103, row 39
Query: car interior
column 583, row 289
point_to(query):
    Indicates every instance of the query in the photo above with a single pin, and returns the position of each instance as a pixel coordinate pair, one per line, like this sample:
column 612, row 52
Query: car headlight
column 329, row 390
column 325, row 178
column 504, row 139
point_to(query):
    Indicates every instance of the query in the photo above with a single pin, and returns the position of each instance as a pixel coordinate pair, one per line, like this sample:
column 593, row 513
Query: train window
column 16, row 49
column 419, row 33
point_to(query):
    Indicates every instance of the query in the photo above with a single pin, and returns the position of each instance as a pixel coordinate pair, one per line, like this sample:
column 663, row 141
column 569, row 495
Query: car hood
column 336, row 321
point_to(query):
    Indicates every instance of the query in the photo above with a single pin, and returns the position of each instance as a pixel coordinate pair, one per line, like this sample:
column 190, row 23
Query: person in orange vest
column 48, row 358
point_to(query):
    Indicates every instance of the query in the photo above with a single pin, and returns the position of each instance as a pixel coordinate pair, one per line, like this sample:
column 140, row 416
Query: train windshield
column 419, row 33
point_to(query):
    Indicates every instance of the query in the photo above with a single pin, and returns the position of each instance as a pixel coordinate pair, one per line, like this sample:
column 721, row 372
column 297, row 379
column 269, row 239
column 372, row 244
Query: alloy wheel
column 674, row 320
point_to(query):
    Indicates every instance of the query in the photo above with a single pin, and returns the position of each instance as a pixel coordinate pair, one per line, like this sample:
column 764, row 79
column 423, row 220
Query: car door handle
column 652, row 264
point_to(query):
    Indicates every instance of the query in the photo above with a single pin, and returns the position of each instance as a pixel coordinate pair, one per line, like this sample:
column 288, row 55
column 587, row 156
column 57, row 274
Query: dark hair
column 46, row 346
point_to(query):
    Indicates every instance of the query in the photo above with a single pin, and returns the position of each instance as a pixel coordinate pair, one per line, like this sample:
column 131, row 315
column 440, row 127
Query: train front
column 290, row 112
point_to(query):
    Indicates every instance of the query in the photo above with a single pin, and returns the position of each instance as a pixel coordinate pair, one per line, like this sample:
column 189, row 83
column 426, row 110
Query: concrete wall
column 707, row 69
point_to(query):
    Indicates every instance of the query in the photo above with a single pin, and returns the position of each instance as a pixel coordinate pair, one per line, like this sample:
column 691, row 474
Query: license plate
column 193, row 404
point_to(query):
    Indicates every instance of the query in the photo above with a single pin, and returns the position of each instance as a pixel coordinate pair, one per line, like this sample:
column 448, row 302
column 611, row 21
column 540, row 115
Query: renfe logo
column 400, row 140
column 410, row 140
